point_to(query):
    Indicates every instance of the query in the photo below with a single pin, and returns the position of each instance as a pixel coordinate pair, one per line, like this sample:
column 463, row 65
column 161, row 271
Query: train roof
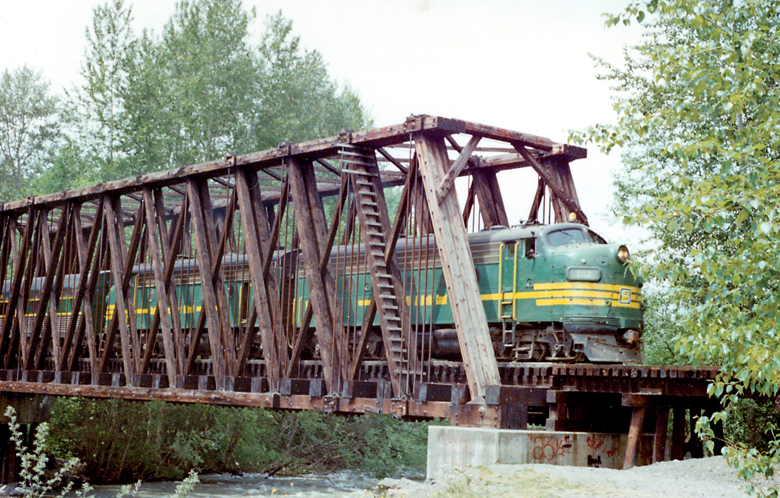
column 501, row 233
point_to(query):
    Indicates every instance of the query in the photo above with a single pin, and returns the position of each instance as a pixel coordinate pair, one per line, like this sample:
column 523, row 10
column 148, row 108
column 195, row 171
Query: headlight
column 584, row 275
column 622, row 254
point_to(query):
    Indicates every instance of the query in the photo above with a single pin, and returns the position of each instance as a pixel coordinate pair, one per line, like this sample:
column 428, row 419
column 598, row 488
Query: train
column 556, row 292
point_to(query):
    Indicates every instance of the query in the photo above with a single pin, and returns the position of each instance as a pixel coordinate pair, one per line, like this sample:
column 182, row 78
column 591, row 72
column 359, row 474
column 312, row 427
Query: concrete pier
column 459, row 447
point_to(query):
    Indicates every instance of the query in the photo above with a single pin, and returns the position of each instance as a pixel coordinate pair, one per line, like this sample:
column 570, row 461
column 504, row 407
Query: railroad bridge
column 182, row 286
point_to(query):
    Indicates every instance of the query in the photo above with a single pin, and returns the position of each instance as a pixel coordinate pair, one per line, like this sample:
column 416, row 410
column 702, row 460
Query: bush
column 121, row 441
column 752, row 424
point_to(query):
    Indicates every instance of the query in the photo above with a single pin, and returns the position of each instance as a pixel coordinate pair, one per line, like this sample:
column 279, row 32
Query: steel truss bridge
column 285, row 212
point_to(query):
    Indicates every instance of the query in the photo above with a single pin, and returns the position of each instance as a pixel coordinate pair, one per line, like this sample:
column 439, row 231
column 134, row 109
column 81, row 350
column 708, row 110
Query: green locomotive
column 551, row 293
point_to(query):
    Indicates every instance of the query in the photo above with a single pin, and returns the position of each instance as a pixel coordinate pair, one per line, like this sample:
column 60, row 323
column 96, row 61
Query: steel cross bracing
column 188, row 284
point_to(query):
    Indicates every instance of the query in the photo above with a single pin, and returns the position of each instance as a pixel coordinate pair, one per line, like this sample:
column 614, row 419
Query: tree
column 28, row 129
column 202, row 78
column 697, row 114
column 205, row 91
column 99, row 103
column 299, row 100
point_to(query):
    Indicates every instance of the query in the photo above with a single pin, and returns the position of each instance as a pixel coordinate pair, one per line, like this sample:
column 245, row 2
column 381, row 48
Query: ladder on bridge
column 385, row 275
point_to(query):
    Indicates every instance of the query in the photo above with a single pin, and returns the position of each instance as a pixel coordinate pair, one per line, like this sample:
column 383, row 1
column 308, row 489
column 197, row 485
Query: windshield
column 596, row 238
column 566, row 236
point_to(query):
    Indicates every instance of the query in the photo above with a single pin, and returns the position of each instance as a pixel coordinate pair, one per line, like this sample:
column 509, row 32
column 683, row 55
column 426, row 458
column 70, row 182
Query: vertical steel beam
column 468, row 312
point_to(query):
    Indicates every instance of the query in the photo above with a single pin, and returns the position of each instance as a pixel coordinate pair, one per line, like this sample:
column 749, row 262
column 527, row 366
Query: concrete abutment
column 460, row 447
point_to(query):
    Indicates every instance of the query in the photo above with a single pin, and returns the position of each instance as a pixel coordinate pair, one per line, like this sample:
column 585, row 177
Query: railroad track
column 595, row 378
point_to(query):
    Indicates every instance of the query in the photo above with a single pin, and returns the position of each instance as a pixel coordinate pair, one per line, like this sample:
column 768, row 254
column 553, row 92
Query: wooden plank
column 571, row 204
column 267, row 241
column 19, row 265
column 6, row 232
column 310, row 221
column 86, row 289
column 163, row 303
column 169, row 258
column 64, row 263
column 678, row 432
column 195, row 192
column 457, row 265
column 634, row 433
column 48, row 301
column 533, row 215
column 243, row 353
column 449, row 179
column 33, row 354
column 217, row 246
column 491, row 203
column 121, row 263
column 30, row 272
column 252, row 216
column 378, row 137
column 468, row 206
column 661, row 429
column 174, row 250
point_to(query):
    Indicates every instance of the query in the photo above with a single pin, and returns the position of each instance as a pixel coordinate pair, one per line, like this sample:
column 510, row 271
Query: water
column 257, row 485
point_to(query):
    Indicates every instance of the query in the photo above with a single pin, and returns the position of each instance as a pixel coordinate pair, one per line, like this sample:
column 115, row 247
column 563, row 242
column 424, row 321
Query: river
column 257, row 485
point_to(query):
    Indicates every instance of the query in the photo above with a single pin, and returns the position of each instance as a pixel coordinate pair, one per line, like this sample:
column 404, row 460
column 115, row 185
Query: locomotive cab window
column 509, row 249
column 530, row 248
column 566, row 236
column 596, row 238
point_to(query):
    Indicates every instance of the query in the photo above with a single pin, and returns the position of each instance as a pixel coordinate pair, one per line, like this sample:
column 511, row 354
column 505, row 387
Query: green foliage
column 28, row 129
column 753, row 424
column 697, row 113
column 34, row 465
column 201, row 90
column 123, row 441
column 98, row 106
column 663, row 321
column 34, row 481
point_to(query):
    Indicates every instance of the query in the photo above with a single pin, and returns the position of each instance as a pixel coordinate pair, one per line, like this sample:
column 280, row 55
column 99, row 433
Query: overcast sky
column 517, row 64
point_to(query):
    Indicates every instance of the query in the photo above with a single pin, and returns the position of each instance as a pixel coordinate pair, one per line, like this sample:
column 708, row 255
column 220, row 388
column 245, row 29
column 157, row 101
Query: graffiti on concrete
column 548, row 448
column 599, row 447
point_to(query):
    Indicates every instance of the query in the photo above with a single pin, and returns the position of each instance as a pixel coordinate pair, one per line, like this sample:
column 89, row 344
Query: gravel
column 705, row 478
